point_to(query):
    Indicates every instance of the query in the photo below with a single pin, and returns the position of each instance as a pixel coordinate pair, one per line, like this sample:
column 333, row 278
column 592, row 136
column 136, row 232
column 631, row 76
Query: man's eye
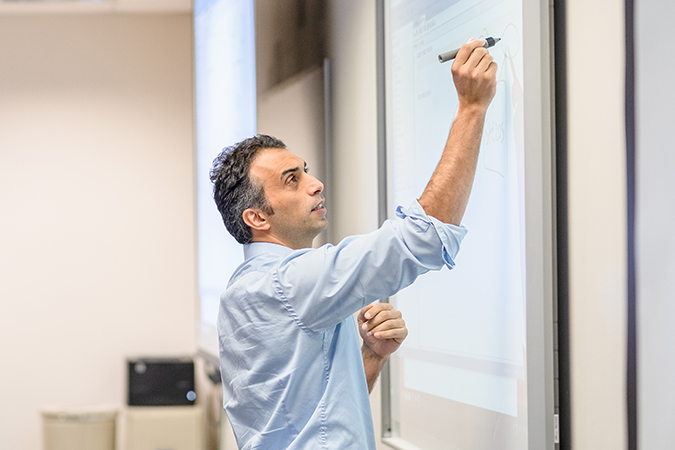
column 292, row 179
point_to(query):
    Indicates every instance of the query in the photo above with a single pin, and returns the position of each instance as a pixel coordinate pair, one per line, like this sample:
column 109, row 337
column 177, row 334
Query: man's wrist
column 472, row 110
column 373, row 364
column 371, row 356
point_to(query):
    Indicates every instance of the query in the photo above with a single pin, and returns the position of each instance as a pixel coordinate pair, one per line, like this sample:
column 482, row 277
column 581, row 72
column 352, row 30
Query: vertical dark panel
column 631, row 366
column 381, row 114
column 560, row 64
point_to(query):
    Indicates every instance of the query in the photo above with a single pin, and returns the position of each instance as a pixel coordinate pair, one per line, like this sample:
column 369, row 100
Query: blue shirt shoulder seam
column 289, row 308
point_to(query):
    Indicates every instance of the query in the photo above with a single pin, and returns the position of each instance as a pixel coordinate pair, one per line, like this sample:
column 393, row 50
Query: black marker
column 447, row 56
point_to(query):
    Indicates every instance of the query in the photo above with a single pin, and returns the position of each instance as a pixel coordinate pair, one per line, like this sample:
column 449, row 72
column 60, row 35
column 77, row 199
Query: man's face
column 294, row 195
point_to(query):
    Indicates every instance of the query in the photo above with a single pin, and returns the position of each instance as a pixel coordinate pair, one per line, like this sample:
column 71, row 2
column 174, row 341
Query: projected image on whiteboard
column 467, row 326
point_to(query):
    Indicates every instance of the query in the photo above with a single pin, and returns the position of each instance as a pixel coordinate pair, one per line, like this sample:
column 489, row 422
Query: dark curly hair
column 233, row 189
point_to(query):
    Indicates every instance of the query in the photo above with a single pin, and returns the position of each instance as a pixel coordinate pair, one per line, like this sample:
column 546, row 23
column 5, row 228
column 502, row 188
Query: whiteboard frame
column 539, row 218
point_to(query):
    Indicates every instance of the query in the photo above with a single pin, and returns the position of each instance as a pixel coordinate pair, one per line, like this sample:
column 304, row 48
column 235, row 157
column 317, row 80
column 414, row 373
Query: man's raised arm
column 447, row 194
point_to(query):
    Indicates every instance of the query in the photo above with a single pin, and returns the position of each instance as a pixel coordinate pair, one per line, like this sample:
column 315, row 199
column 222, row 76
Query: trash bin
column 79, row 428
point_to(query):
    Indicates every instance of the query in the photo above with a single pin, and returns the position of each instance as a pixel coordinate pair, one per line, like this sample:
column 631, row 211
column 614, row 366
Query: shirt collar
column 261, row 248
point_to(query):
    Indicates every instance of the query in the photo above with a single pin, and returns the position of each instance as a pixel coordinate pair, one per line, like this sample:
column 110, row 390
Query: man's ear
column 256, row 219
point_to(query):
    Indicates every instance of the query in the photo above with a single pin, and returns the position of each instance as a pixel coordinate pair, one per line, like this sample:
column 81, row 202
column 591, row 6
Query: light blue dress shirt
column 292, row 369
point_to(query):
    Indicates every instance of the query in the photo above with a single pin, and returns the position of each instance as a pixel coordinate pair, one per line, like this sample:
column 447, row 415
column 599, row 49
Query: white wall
column 597, row 218
column 352, row 50
column 655, row 241
column 96, row 200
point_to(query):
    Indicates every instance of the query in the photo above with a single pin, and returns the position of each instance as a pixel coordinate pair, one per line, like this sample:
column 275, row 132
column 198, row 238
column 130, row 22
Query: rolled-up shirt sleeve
column 324, row 286
column 451, row 236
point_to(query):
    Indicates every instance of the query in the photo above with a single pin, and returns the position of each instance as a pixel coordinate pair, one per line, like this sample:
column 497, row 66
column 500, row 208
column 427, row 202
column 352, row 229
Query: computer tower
column 161, row 382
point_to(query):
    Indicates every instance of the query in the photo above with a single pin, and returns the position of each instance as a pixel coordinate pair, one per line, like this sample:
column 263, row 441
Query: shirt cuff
column 451, row 236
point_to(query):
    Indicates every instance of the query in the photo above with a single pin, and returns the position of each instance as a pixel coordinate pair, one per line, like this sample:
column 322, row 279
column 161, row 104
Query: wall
column 655, row 242
column 352, row 49
column 597, row 230
column 290, row 38
column 96, row 193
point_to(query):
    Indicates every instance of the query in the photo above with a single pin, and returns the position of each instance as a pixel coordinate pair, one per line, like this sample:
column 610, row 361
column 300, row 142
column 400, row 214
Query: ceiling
column 100, row 6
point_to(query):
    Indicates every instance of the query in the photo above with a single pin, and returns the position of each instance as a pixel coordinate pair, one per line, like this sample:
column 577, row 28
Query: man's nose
column 315, row 186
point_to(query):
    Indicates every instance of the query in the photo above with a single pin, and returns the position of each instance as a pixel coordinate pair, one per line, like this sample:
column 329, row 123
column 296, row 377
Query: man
column 293, row 376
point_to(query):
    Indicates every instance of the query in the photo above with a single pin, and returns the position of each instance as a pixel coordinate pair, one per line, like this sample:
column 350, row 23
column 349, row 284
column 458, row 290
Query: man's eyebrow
column 294, row 169
column 287, row 171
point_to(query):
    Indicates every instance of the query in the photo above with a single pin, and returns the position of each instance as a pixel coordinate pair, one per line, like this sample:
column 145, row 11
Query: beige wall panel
column 597, row 230
column 352, row 51
column 96, row 193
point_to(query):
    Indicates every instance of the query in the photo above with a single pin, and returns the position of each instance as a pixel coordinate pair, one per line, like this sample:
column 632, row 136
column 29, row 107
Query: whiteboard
column 476, row 369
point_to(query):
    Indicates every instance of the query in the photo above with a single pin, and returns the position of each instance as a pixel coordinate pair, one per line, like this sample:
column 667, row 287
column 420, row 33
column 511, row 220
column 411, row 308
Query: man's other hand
column 382, row 329
column 474, row 73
